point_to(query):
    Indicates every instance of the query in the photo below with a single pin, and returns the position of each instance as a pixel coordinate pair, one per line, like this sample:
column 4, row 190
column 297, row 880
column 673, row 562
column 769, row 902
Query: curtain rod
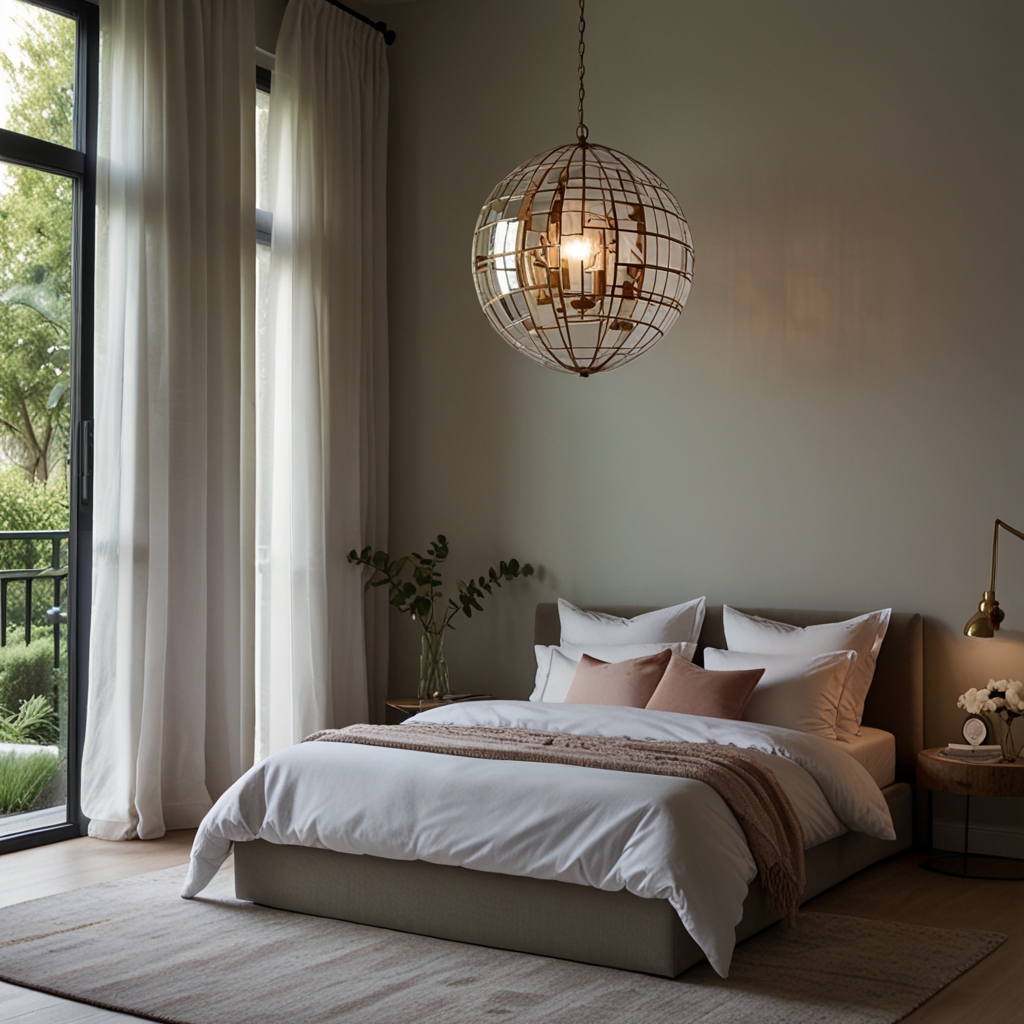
column 380, row 26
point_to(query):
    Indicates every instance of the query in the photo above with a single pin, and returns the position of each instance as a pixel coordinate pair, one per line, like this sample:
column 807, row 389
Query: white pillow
column 864, row 634
column 679, row 624
column 794, row 692
column 557, row 665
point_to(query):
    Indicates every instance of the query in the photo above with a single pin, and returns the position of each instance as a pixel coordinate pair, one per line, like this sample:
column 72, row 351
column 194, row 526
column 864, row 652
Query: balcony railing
column 54, row 572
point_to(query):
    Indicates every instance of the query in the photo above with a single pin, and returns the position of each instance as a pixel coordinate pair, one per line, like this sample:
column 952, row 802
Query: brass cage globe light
column 582, row 258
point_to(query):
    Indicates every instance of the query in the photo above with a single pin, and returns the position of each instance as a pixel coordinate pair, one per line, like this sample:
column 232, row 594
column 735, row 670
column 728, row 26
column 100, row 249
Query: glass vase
column 1007, row 743
column 434, row 681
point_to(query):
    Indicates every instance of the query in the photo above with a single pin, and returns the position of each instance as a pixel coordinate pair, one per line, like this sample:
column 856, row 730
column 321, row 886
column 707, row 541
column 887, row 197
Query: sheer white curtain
column 170, row 713
column 322, row 437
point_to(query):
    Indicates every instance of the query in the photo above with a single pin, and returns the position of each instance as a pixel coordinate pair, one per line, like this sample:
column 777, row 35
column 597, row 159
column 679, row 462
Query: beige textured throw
column 751, row 791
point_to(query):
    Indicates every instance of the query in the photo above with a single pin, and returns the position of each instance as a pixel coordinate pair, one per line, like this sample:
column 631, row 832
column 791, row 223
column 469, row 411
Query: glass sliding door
column 48, row 97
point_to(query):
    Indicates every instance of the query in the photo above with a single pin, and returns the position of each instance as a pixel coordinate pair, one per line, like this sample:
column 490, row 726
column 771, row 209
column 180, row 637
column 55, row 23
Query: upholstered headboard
column 896, row 699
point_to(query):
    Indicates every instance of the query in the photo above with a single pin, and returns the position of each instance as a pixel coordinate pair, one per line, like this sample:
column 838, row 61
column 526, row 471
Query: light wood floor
column 898, row 890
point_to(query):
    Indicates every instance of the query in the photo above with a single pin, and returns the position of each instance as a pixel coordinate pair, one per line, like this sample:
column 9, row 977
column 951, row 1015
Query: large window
column 48, row 83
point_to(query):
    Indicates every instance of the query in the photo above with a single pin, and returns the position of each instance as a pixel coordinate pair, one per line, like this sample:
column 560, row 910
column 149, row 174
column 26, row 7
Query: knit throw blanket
column 751, row 792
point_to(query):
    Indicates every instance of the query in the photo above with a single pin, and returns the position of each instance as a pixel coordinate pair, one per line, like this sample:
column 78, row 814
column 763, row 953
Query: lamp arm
column 995, row 547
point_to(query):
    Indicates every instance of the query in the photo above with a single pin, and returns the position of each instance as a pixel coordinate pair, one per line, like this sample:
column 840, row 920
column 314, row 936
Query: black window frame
column 79, row 164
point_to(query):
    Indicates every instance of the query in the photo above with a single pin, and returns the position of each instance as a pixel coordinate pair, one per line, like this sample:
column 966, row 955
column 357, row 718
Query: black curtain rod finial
column 387, row 33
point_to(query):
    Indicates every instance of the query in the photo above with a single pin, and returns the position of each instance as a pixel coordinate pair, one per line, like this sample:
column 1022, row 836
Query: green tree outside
column 37, row 60
column 36, row 238
column 36, row 230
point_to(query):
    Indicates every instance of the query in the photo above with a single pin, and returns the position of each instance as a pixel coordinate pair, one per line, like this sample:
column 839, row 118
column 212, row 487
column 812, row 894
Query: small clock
column 975, row 731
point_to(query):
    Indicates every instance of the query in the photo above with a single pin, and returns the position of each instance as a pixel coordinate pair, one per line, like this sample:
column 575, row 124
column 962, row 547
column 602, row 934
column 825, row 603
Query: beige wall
column 836, row 418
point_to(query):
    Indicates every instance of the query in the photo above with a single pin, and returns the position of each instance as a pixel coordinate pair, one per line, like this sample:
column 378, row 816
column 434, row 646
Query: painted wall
column 835, row 420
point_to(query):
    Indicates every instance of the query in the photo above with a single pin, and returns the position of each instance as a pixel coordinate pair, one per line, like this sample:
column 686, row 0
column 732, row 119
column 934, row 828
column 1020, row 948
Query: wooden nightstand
column 398, row 709
column 938, row 774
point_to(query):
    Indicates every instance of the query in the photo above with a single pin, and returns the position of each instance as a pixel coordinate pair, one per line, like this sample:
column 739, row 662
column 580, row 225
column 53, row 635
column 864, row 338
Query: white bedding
column 875, row 749
column 655, row 836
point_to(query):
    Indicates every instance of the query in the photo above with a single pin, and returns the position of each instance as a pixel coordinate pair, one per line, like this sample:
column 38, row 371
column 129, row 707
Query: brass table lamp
column 987, row 619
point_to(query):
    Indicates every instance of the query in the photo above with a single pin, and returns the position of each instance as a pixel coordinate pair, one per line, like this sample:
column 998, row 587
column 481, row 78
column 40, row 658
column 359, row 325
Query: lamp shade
column 582, row 258
column 987, row 619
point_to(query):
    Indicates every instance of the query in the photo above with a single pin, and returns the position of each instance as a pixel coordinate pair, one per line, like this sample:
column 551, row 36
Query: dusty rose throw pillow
column 691, row 690
column 627, row 684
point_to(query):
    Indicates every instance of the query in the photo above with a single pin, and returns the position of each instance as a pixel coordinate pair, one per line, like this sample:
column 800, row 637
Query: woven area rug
column 133, row 945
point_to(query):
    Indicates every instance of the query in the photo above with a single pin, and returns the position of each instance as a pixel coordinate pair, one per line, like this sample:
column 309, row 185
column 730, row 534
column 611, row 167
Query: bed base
column 528, row 915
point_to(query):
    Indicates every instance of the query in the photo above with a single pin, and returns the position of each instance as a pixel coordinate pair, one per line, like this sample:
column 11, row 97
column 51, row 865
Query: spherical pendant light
column 582, row 258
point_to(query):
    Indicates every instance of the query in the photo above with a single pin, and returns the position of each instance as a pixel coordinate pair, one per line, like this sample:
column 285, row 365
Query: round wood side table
column 942, row 775
column 398, row 709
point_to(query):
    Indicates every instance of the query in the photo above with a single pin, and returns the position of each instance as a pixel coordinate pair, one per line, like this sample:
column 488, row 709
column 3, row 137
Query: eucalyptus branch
column 419, row 595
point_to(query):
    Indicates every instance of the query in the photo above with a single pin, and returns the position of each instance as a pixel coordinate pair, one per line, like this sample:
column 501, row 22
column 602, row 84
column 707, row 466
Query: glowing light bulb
column 577, row 248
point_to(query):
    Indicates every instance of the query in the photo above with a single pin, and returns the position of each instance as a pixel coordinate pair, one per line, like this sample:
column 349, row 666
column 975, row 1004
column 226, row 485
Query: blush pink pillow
column 689, row 689
column 628, row 684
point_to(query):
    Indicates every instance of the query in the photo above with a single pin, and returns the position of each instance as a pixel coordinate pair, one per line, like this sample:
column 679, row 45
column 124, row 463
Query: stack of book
column 989, row 753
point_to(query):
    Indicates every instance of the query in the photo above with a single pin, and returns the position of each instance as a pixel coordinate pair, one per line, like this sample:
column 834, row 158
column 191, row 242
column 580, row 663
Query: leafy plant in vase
column 418, row 593
column 1002, row 697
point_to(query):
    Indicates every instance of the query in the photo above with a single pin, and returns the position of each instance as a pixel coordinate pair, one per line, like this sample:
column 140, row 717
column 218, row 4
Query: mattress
column 875, row 749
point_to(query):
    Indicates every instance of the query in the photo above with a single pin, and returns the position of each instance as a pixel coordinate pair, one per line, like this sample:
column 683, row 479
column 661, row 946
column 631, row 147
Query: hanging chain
column 581, row 131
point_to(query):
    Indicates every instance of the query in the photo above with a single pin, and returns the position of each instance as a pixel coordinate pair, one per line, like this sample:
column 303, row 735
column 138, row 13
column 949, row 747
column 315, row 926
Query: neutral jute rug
column 134, row 945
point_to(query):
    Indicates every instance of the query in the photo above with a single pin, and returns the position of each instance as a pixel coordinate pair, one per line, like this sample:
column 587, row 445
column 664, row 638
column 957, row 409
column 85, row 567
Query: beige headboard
column 896, row 699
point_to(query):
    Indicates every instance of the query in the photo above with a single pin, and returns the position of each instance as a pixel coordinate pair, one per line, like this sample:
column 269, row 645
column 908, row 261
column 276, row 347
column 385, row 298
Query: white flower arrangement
column 975, row 701
column 1004, row 697
column 1014, row 697
column 1000, row 695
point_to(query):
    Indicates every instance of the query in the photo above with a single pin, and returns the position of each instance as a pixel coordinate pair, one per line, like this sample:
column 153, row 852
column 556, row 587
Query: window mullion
column 21, row 149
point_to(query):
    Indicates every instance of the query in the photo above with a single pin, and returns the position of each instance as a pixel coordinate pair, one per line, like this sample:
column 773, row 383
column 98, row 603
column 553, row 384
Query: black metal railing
column 54, row 571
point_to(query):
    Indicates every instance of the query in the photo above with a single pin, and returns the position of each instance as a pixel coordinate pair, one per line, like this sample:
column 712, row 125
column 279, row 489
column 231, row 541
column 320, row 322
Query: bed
column 553, row 917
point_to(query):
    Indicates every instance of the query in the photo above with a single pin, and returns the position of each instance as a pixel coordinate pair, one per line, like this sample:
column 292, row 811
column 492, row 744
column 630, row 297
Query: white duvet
column 655, row 836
